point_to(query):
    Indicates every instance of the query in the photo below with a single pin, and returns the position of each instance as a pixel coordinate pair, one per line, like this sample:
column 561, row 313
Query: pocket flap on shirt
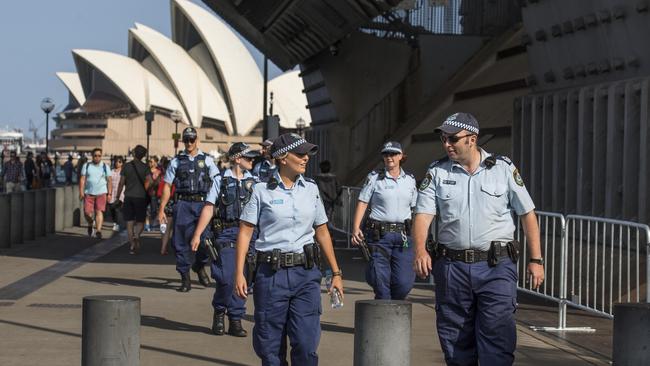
column 493, row 189
column 447, row 192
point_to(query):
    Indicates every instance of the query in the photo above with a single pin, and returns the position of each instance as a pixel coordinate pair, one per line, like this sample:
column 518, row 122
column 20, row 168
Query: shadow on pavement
column 163, row 323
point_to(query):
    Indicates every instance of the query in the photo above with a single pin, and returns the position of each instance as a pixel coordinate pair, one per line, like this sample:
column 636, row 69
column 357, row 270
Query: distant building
column 204, row 71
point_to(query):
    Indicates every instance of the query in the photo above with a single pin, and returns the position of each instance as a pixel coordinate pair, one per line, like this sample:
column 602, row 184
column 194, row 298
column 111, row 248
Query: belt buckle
column 288, row 259
column 469, row 256
column 392, row 227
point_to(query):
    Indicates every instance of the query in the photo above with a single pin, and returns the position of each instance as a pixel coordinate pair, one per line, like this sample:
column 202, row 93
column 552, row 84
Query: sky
column 37, row 37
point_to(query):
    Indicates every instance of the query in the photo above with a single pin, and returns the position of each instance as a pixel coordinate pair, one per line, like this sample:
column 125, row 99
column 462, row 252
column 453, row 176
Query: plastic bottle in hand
column 163, row 228
column 335, row 295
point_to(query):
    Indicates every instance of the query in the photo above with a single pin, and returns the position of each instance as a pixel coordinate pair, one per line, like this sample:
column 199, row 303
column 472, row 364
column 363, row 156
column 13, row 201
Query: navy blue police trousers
column 287, row 301
column 390, row 271
column 475, row 307
column 186, row 215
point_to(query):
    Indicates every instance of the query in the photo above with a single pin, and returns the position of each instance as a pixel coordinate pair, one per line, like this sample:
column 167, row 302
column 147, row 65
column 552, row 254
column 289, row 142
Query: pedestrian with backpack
column 94, row 190
column 136, row 199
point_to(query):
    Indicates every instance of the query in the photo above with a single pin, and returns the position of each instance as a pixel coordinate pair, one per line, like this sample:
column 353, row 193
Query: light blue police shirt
column 475, row 209
column 216, row 188
column 390, row 198
column 170, row 174
column 285, row 216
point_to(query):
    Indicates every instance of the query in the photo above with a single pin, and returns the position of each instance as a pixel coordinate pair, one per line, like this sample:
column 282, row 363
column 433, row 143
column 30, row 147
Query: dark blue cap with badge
column 241, row 149
column 292, row 142
column 189, row 133
column 392, row 147
column 458, row 122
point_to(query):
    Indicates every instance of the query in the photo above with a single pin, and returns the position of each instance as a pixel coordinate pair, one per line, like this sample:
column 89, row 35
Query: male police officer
column 473, row 194
column 266, row 168
column 193, row 174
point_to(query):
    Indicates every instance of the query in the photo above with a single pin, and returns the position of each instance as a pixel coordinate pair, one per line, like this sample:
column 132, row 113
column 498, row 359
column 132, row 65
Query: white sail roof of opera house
column 73, row 84
column 192, row 86
column 289, row 103
column 238, row 75
column 137, row 84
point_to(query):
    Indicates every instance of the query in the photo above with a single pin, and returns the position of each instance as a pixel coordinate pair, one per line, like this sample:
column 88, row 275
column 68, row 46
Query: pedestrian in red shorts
column 94, row 189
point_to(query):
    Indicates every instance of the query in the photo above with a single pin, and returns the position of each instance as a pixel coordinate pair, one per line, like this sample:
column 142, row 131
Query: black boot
column 204, row 279
column 235, row 329
column 218, row 322
column 186, row 285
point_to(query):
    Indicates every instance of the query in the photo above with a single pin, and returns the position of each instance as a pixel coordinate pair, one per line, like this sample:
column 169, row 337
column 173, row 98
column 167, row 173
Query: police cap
column 458, row 122
column 189, row 133
column 392, row 147
column 241, row 149
column 292, row 142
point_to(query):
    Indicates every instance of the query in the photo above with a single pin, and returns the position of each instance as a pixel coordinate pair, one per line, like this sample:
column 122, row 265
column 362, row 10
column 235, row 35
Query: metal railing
column 591, row 262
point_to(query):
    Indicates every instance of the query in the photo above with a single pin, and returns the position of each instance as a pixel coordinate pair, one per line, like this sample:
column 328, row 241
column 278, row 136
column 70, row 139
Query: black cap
column 292, row 142
column 189, row 132
column 392, row 147
column 241, row 149
column 267, row 143
column 458, row 122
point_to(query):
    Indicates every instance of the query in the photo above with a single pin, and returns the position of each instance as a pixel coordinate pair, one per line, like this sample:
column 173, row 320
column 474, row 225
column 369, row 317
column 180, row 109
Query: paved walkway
column 43, row 282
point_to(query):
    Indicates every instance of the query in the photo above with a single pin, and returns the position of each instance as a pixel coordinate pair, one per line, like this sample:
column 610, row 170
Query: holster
column 407, row 226
column 309, row 256
column 217, row 226
column 365, row 251
column 494, row 253
column 251, row 267
column 212, row 250
column 276, row 259
column 432, row 248
column 513, row 250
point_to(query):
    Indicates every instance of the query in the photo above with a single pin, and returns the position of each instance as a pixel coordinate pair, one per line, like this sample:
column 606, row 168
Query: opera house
column 205, row 72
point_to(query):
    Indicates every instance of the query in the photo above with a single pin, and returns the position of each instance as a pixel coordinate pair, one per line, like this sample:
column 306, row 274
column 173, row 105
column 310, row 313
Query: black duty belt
column 396, row 227
column 227, row 245
column 284, row 259
column 468, row 255
column 228, row 224
column 191, row 197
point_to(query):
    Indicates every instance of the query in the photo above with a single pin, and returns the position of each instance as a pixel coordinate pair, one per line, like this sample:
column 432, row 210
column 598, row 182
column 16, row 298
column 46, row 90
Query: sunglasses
column 387, row 154
column 453, row 139
column 247, row 158
column 189, row 140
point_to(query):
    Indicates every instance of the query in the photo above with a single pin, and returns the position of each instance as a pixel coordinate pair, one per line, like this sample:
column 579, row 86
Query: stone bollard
column 28, row 215
column 68, row 202
column 50, row 209
column 631, row 336
column 110, row 331
column 40, row 198
column 59, row 208
column 382, row 333
column 16, row 199
column 5, row 221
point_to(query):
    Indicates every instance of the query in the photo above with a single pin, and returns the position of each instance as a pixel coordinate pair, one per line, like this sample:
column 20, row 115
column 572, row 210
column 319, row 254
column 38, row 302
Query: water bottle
column 163, row 228
column 335, row 295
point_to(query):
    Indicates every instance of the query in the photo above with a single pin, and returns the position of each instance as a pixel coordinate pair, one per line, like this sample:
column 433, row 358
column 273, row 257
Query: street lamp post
column 148, row 116
column 176, row 116
column 47, row 105
column 300, row 126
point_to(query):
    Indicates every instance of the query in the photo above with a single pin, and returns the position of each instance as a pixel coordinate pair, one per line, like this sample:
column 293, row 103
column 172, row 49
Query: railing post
column 349, row 217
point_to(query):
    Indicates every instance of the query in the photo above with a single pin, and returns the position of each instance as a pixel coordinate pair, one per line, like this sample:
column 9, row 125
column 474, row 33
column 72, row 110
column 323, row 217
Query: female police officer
column 290, row 215
column 391, row 193
column 225, row 201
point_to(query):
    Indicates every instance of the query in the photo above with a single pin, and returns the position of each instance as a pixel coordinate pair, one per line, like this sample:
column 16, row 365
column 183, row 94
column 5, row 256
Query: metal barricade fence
column 344, row 213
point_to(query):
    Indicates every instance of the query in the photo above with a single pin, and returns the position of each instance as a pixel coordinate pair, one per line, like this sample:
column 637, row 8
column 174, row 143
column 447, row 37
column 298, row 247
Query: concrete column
column 5, row 221
column 110, row 331
column 631, row 341
column 50, row 209
column 67, row 206
column 59, row 209
column 17, row 217
column 40, row 197
column 382, row 333
column 28, row 215
column 77, row 206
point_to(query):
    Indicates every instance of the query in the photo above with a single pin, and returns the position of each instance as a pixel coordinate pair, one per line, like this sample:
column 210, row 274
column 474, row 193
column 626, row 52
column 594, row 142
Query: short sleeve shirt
column 135, row 173
column 286, row 217
column 215, row 189
column 96, row 178
column 476, row 209
column 390, row 198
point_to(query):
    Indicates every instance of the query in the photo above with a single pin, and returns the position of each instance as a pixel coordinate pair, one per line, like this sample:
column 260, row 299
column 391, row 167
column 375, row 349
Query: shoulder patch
column 310, row 180
column 425, row 182
column 505, row 159
column 517, row 177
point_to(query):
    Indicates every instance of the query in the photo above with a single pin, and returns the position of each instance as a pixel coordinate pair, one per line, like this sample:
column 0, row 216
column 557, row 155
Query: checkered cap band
column 288, row 148
column 461, row 125
column 246, row 150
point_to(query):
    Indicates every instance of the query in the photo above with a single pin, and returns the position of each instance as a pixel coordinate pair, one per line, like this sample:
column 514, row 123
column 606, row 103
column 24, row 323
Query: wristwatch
column 539, row 261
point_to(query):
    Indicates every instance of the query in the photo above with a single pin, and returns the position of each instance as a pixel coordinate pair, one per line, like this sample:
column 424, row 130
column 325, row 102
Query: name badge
column 277, row 202
column 450, row 182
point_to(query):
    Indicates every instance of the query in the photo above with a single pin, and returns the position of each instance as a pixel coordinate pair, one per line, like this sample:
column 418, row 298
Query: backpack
column 106, row 173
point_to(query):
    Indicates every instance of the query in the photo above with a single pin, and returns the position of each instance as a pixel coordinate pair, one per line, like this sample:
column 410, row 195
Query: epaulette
column 504, row 158
column 381, row 173
column 310, row 180
column 438, row 162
